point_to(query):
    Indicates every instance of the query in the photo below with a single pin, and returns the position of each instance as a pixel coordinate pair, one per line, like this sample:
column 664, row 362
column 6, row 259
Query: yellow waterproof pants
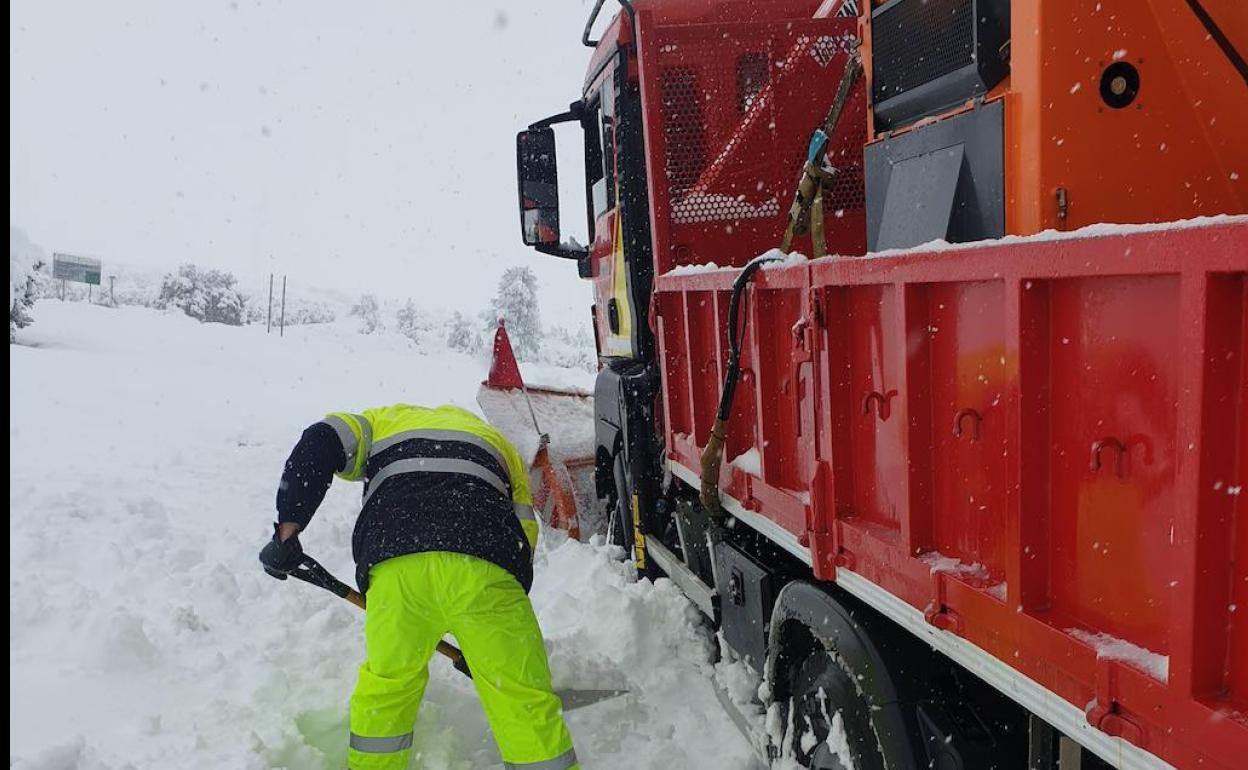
column 412, row 602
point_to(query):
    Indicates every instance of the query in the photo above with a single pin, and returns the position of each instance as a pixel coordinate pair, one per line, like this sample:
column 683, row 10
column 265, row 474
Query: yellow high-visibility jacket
column 435, row 479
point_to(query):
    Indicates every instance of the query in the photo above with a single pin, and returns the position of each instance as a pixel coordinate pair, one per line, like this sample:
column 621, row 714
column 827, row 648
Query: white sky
column 358, row 146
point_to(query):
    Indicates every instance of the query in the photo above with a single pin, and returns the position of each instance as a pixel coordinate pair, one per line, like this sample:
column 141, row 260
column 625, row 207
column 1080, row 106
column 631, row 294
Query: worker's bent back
column 436, row 480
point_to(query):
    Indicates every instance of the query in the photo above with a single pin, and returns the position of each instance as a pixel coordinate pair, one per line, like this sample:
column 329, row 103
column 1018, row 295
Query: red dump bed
column 1031, row 452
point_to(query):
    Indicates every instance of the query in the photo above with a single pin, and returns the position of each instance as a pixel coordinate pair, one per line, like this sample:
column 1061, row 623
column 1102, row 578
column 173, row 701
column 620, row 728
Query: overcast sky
column 350, row 145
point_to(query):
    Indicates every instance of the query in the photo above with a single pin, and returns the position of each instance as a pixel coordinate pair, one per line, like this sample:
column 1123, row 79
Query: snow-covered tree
column 516, row 303
column 205, row 295
column 463, row 335
column 26, row 261
column 368, row 310
column 410, row 321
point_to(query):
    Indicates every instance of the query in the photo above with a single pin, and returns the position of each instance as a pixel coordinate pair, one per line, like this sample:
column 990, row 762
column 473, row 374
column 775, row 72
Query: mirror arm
column 575, row 113
column 562, row 251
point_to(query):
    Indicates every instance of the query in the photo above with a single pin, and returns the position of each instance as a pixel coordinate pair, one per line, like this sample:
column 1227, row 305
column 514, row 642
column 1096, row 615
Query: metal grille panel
column 916, row 41
column 708, row 138
column 734, row 110
column 684, row 127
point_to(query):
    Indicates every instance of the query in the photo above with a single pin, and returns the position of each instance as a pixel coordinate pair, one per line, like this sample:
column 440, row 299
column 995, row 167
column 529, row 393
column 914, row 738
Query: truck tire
column 620, row 508
column 821, row 690
column 816, row 645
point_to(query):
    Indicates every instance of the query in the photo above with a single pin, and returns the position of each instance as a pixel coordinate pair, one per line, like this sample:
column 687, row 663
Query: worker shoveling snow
column 145, row 449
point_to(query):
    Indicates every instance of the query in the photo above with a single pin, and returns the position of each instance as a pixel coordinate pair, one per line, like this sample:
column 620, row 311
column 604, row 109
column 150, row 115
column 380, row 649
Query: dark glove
column 279, row 557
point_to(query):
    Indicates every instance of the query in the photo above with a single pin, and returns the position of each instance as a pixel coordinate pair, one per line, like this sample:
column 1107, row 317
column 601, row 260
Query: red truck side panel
column 965, row 338
column 1040, row 445
column 1113, row 357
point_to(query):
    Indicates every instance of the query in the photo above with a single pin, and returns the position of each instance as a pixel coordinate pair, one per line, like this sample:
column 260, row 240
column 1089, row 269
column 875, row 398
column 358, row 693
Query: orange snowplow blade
column 553, row 429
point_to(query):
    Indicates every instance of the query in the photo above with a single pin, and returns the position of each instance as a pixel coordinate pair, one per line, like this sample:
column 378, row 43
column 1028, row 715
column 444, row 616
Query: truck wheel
column 620, row 509
column 821, row 690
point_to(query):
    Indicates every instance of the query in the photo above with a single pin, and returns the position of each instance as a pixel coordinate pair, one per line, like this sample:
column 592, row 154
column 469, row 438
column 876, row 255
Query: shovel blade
column 575, row 699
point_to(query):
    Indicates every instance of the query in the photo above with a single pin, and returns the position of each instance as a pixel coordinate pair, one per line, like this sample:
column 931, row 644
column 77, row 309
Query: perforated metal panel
column 684, row 127
column 753, row 75
column 737, row 106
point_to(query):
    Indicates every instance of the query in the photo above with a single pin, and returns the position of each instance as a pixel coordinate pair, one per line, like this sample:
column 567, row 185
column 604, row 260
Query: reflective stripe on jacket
column 436, row 479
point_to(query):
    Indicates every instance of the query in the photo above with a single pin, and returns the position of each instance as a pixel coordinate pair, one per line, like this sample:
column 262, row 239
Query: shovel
column 311, row 571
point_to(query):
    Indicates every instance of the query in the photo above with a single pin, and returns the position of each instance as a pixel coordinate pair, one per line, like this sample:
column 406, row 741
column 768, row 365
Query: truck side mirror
column 538, row 176
column 539, row 186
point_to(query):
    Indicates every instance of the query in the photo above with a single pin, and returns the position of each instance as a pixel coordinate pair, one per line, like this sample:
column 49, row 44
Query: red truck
column 980, row 491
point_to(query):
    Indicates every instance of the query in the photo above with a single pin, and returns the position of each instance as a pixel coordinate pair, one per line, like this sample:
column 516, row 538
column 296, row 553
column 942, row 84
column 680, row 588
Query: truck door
column 620, row 251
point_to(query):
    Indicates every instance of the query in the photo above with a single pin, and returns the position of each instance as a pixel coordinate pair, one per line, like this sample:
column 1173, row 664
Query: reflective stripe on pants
column 564, row 761
column 381, row 745
column 412, row 602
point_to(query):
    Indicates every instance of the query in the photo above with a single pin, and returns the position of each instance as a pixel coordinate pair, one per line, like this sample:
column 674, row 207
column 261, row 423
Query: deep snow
column 144, row 454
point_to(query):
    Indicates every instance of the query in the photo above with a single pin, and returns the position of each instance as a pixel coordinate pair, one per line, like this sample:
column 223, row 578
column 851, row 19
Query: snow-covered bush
column 255, row 313
column 412, row 322
column 299, row 312
column 205, row 295
column 136, row 288
column 368, row 310
column 571, row 350
column 462, row 334
column 304, row 313
column 26, row 261
column 121, row 285
column 516, row 303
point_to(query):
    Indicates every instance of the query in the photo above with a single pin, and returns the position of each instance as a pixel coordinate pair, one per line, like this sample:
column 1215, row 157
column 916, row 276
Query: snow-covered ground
column 144, row 454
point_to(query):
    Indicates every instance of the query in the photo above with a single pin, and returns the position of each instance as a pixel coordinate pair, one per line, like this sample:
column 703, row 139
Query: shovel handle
column 312, row 572
column 355, row 597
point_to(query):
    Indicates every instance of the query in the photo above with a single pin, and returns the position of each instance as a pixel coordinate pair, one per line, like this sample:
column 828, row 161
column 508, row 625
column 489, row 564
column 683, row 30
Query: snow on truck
column 970, row 486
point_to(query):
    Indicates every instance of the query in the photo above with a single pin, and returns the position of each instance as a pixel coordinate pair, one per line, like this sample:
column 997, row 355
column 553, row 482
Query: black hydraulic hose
column 736, row 331
column 713, row 454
